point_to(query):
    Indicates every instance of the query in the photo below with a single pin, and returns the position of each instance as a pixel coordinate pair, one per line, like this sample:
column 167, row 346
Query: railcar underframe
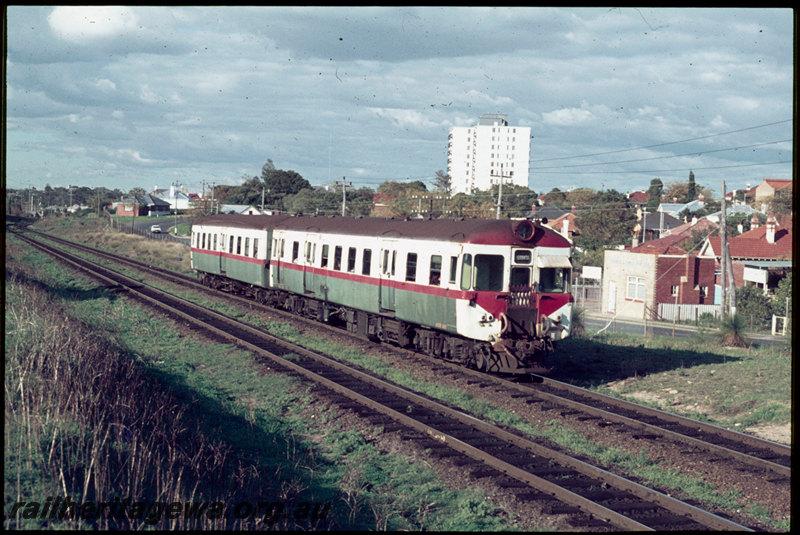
column 500, row 356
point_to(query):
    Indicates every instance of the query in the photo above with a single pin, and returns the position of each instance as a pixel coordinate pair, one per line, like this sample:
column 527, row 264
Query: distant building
column 761, row 256
column 176, row 198
column 243, row 209
column 482, row 155
column 142, row 205
column 771, row 187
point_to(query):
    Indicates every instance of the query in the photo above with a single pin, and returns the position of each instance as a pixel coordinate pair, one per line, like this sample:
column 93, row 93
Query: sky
column 127, row 97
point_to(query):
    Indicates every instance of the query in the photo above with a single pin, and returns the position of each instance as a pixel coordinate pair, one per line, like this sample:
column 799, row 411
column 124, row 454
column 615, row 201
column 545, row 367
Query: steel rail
column 780, row 450
column 584, row 504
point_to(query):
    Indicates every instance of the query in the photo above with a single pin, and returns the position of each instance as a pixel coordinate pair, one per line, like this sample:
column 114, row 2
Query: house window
column 674, row 290
column 704, row 291
column 635, row 289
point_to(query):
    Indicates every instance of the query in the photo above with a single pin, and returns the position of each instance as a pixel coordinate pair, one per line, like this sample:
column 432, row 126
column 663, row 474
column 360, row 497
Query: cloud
column 567, row 117
column 81, row 24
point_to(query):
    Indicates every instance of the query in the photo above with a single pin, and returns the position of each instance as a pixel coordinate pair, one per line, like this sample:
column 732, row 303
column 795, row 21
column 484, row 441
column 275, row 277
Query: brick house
column 142, row 206
column 760, row 256
column 636, row 280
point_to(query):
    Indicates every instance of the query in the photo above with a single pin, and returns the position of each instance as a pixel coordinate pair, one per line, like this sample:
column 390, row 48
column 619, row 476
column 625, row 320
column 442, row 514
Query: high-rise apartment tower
column 481, row 155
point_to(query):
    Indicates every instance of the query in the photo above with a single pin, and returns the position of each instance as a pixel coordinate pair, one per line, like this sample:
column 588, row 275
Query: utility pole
column 344, row 185
column 723, row 240
column 501, row 176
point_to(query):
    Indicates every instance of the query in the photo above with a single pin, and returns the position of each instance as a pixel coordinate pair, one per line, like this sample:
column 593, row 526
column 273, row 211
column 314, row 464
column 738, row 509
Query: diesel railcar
column 490, row 294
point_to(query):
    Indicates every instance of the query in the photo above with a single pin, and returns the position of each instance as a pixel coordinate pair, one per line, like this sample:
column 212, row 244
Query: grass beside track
column 736, row 388
column 107, row 402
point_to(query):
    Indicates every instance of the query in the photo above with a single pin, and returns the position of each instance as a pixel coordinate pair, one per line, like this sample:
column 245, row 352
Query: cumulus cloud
column 80, row 24
column 567, row 117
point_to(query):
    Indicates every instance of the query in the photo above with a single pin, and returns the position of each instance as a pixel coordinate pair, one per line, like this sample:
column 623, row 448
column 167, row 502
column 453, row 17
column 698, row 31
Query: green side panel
column 344, row 292
column 425, row 309
column 247, row 272
column 205, row 262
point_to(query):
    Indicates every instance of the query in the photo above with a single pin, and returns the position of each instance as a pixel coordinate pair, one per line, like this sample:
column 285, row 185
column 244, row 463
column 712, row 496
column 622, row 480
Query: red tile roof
column 753, row 243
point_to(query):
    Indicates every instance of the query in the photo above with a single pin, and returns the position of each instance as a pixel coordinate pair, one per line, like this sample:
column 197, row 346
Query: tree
column 782, row 293
column 691, row 194
column 753, row 306
column 654, row 194
column 443, row 181
column 606, row 225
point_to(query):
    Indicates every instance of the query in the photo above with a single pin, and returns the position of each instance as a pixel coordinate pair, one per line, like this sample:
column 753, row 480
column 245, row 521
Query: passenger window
column 203, row 241
column 247, row 246
column 453, row 269
column 215, row 241
column 351, row 260
column 466, row 272
column 324, row 255
column 411, row 267
column 488, row 272
column 394, row 257
column 255, row 247
column 230, row 244
column 239, row 245
column 295, row 251
column 337, row 258
column 435, row 276
column 366, row 262
column 386, row 261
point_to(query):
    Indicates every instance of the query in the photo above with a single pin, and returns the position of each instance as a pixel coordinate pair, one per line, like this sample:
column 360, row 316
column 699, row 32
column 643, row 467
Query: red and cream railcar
column 486, row 293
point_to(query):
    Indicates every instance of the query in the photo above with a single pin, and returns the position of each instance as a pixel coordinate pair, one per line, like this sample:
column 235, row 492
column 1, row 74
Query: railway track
column 753, row 452
column 589, row 496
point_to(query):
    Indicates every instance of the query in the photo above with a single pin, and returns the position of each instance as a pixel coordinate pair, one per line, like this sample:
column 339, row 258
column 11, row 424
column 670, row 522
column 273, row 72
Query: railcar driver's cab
column 548, row 274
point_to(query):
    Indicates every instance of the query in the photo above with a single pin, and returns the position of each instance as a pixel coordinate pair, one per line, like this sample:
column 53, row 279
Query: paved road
column 595, row 322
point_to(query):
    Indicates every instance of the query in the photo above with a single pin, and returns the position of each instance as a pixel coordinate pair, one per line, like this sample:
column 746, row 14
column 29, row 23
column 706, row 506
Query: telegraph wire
column 695, row 153
column 663, row 144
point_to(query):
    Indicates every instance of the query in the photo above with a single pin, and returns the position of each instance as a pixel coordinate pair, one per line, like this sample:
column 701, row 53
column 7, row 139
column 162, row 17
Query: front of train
column 538, row 304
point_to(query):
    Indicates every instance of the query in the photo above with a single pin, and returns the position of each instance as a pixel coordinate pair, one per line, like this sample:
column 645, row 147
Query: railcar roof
column 479, row 231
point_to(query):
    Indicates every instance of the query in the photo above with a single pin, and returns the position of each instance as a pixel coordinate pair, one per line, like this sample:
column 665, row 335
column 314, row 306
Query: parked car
column 155, row 229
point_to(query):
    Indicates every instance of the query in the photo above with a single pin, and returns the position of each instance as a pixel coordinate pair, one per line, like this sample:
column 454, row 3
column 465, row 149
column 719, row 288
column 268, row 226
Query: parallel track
column 591, row 496
column 751, row 451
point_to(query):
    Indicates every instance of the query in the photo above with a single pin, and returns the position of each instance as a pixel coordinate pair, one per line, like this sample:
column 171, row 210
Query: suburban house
column 761, row 256
column 565, row 224
column 142, row 205
column 637, row 280
column 771, row 187
column 638, row 197
column 674, row 209
column 176, row 198
column 653, row 226
column 243, row 209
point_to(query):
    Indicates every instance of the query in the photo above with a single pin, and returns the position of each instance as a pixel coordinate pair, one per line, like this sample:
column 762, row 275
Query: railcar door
column 309, row 261
column 388, row 265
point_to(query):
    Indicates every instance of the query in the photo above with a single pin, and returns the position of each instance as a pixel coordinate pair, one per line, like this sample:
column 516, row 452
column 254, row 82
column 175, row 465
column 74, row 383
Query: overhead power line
column 662, row 144
column 697, row 153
